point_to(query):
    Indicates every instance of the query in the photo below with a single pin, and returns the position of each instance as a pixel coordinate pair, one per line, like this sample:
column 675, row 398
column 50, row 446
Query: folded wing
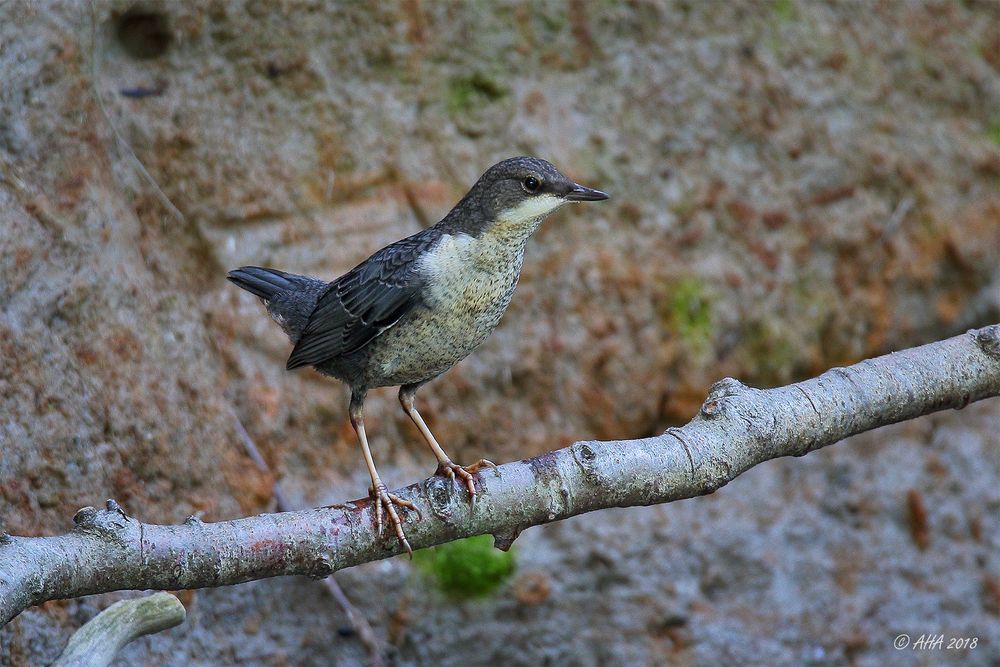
column 364, row 302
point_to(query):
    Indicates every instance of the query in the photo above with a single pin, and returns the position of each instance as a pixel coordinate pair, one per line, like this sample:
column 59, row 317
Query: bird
column 418, row 306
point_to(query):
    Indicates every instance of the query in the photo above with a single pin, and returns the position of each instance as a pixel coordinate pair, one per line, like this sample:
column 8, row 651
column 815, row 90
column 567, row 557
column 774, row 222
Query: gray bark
column 101, row 638
column 736, row 428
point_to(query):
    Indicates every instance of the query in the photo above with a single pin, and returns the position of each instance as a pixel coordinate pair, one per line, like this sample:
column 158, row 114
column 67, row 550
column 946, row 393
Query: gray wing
column 364, row 302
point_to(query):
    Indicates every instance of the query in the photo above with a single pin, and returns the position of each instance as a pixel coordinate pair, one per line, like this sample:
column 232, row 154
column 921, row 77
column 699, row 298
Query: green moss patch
column 688, row 313
column 993, row 132
column 467, row 568
column 465, row 93
column 784, row 10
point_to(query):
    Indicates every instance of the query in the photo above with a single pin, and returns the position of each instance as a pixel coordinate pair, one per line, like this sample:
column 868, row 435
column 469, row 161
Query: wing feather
column 364, row 302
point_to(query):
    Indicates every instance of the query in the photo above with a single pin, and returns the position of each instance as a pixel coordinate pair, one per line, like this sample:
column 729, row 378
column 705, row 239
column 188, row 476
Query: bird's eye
column 531, row 184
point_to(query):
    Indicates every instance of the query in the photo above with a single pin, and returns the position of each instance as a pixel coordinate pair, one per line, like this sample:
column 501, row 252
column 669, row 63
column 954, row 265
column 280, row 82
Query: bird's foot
column 451, row 470
column 385, row 501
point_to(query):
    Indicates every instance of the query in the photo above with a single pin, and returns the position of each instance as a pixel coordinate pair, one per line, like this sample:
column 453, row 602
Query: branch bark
column 736, row 428
column 101, row 638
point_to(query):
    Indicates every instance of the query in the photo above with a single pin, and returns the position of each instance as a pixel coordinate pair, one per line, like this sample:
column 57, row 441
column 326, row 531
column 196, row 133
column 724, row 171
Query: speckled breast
column 469, row 288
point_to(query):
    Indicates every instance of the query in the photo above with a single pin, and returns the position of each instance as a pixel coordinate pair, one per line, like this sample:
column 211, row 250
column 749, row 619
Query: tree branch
column 737, row 428
column 101, row 638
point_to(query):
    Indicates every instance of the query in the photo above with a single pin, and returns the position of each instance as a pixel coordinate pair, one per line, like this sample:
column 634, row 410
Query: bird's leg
column 378, row 491
column 445, row 464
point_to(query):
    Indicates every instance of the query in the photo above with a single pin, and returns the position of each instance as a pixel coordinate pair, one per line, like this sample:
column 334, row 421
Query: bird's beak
column 580, row 193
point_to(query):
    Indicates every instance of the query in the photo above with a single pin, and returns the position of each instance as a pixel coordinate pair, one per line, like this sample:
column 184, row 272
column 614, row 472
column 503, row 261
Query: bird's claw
column 386, row 501
column 450, row 470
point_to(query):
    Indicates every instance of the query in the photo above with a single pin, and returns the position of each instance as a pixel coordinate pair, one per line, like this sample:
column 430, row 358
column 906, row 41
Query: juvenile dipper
column 417, row 307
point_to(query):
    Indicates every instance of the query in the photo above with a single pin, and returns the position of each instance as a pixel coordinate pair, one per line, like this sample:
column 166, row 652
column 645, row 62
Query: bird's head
column 518, row 192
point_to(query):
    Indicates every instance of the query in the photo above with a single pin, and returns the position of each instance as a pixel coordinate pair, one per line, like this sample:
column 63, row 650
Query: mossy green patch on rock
column 464, row 93
column 784, row 10
column 993, row 132
column 467, row 568
column 688, row 313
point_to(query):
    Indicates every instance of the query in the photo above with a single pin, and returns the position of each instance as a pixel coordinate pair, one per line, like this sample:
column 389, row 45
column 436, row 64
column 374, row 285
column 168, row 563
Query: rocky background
column 795, row 185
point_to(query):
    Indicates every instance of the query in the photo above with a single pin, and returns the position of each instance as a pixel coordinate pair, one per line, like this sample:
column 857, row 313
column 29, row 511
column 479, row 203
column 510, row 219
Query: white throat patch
column 520, row 222
column 529, row 209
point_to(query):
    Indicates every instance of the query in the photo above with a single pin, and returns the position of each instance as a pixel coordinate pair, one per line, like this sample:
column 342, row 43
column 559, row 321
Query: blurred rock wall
column 794, row 184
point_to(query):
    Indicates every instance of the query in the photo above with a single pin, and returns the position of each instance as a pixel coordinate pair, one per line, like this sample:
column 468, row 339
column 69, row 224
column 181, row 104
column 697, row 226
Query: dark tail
column 265, row 283
column 290, row 297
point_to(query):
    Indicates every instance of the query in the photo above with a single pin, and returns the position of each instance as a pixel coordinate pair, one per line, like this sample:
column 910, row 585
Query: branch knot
column 103, row 523
column 505, row 540
column 725, row 388
column 584, row 456
column 321, row 567
column 85, row 517
column 988, row 339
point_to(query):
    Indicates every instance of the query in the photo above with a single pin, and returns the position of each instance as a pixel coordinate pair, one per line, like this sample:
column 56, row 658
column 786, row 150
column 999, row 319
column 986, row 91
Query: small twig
column 100, row 639
column 357, row 620
column 412, row 201
column 892, row 224
column 280, row 500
